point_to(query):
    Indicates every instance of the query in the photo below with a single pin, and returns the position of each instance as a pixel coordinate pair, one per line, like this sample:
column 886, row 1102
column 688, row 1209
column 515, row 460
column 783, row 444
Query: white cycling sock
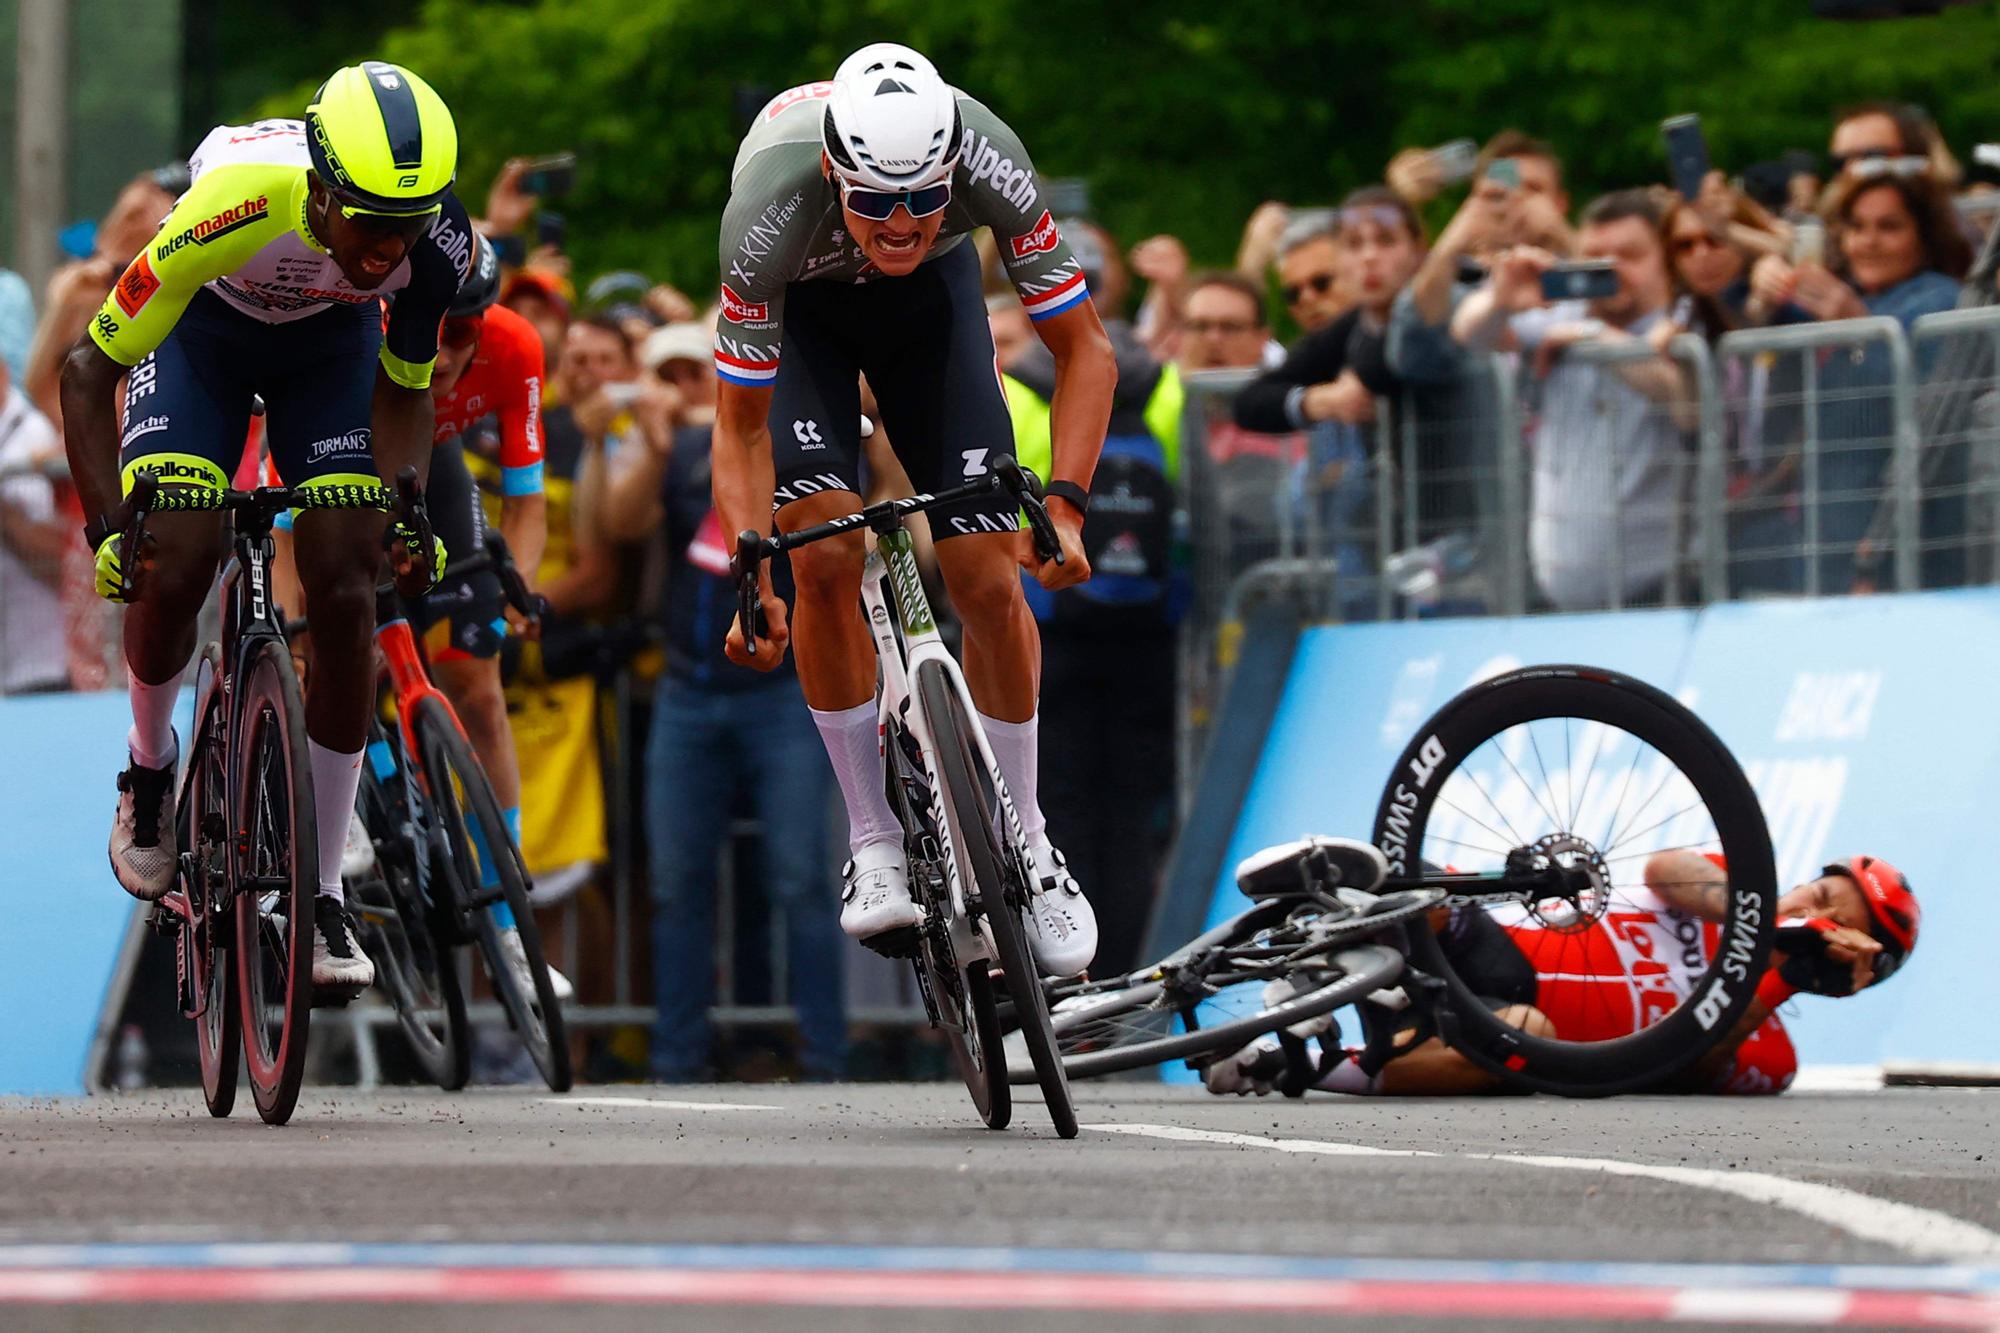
column 853, row 740
column 152, row 736
column 1016, row 747
column 336, row 779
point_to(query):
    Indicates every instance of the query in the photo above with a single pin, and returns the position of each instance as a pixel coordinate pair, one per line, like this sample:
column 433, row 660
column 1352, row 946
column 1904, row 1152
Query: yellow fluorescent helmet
column 382, row 140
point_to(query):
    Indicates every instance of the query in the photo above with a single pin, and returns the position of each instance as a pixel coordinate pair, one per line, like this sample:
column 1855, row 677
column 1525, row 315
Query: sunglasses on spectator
column 1320, row 283
column 1871, row 168
column 1692, row 241
column 1198, row 327
column 877, row 205
column 459, row 334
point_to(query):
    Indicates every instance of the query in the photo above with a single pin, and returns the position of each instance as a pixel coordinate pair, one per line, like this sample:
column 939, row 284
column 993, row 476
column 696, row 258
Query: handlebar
column 1004, row 474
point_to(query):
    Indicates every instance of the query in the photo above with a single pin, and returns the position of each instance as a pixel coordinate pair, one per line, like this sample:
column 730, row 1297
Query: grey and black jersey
column 784, row 225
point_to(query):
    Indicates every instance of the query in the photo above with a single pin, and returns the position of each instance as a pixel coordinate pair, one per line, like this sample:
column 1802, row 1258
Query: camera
column 1583, row 280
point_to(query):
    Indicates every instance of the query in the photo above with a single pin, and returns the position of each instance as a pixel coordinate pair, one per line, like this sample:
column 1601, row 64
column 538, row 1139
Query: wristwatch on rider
column 95, row 531
column 1070, row 491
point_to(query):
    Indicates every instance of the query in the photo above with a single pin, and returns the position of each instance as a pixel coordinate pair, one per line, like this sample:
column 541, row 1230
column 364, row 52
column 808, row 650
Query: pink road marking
column 989, row 1291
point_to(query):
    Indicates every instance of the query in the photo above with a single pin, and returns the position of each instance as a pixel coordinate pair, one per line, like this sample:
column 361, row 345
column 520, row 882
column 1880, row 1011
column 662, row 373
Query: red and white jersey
column 1628, row 969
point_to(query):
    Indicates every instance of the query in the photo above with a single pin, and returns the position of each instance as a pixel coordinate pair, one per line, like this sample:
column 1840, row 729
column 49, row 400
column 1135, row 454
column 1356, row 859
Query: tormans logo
column 739, row 311
column 230, row 219
column 136, row 287
column 1039, row 241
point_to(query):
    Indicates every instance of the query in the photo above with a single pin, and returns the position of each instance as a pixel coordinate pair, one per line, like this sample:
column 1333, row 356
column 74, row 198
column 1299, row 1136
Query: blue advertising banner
column 1866, row 725
column 65, row 916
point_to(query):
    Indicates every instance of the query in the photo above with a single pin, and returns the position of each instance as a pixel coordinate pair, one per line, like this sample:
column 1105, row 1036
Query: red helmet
column 1892, row 908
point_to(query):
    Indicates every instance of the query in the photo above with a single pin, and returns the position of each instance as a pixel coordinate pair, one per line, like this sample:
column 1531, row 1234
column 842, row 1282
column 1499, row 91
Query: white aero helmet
column 891, row 122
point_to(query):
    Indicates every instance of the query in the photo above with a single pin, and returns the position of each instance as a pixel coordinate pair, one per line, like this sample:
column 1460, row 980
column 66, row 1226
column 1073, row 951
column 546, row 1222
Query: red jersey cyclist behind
column 1849, row 928
column 489, row 366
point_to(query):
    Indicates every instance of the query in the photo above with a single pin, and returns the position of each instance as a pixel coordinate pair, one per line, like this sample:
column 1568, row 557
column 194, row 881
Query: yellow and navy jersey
column 240, row 231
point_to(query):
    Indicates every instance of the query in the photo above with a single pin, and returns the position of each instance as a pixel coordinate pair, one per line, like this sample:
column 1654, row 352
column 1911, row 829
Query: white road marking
column 1838, row 1078
column 1922, row 1233
column 660, row 1104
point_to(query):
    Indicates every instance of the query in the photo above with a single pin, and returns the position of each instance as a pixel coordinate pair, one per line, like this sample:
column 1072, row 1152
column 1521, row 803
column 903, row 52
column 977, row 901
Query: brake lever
column 513, row 586
column 745, row 564
column 1026, row 488
column 138, row 508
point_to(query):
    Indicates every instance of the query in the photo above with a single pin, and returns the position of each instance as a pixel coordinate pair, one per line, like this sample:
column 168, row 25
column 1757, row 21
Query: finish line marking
column 660, row 1104
column 1922, row 1233
column 996, row 1279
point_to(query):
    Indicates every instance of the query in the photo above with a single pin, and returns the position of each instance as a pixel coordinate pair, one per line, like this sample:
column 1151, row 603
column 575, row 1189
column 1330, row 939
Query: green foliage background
column 1181, row 116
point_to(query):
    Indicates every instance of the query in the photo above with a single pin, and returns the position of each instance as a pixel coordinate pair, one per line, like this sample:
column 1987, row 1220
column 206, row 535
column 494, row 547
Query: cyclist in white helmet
column 843, row 254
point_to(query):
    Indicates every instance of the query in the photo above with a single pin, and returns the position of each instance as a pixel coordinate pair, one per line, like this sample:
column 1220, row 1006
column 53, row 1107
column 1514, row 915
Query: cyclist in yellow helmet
column 266, row 280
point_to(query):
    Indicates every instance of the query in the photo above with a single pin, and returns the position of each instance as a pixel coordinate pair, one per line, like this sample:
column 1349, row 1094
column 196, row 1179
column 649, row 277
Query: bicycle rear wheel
column 1597, row 772
column 276, row 876
column 468, row 818
column 396, row 926
column 995, row 888
column 204, row 822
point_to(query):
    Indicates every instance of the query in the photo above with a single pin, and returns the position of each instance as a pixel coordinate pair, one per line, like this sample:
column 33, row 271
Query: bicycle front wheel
column 276, row 877
column 995, row 887
column 467, row 815
column 1594, row 772
column 414, row 967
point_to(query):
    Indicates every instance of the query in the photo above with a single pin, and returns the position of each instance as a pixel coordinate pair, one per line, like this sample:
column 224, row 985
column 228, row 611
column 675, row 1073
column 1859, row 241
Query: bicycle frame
column 906, row 638
column 248, row 618
column 409, row 680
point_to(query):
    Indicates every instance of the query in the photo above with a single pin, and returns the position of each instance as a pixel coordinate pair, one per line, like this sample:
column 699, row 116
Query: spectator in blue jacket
column 720, row 731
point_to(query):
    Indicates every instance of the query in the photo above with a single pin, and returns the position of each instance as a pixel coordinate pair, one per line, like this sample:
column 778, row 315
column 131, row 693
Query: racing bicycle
column 1536, row 796
column 971, row 870
column 241, row 909
column 444, row 858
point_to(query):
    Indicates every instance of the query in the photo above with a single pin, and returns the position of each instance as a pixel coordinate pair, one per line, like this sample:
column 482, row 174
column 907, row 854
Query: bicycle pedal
column 335, row 997
column 901, row 942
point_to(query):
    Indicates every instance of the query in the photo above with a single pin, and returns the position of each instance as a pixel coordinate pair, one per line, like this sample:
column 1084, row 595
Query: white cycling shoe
column 875, row 904
column 516, row 955
column 143, row 854
column 1058, row 921
column 338, row 965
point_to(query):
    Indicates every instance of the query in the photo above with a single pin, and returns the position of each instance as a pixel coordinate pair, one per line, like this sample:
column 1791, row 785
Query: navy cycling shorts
column 924, row 344
column 187, row 403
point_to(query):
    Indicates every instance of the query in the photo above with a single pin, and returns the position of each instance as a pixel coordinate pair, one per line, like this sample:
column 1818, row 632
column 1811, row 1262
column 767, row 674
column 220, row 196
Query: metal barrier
column 1824, row 422
column 1957, row 359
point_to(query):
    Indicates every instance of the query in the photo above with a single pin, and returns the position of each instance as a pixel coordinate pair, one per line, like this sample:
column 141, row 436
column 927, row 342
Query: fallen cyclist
column 1850, row 928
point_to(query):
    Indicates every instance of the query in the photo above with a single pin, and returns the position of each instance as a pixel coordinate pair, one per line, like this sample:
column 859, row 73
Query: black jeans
column 1107, row 767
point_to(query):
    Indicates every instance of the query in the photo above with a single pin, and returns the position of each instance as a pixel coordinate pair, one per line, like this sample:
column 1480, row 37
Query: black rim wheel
column 996, row 890
column 276, row 878
column 459, row 796
column 1598, row 772
column 203, row 811
column 395, row 924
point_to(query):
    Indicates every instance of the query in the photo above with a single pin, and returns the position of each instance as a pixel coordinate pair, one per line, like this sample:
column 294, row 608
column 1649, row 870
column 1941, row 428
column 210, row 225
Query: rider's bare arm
column 1079, row 414
column 1689, row 882
column 90, row 424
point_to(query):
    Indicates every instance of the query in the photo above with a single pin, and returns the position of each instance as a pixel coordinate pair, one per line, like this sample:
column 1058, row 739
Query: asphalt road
column 874, row 1206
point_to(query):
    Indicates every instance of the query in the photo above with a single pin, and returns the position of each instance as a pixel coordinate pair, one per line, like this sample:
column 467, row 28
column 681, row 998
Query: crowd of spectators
column 1392, row 326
